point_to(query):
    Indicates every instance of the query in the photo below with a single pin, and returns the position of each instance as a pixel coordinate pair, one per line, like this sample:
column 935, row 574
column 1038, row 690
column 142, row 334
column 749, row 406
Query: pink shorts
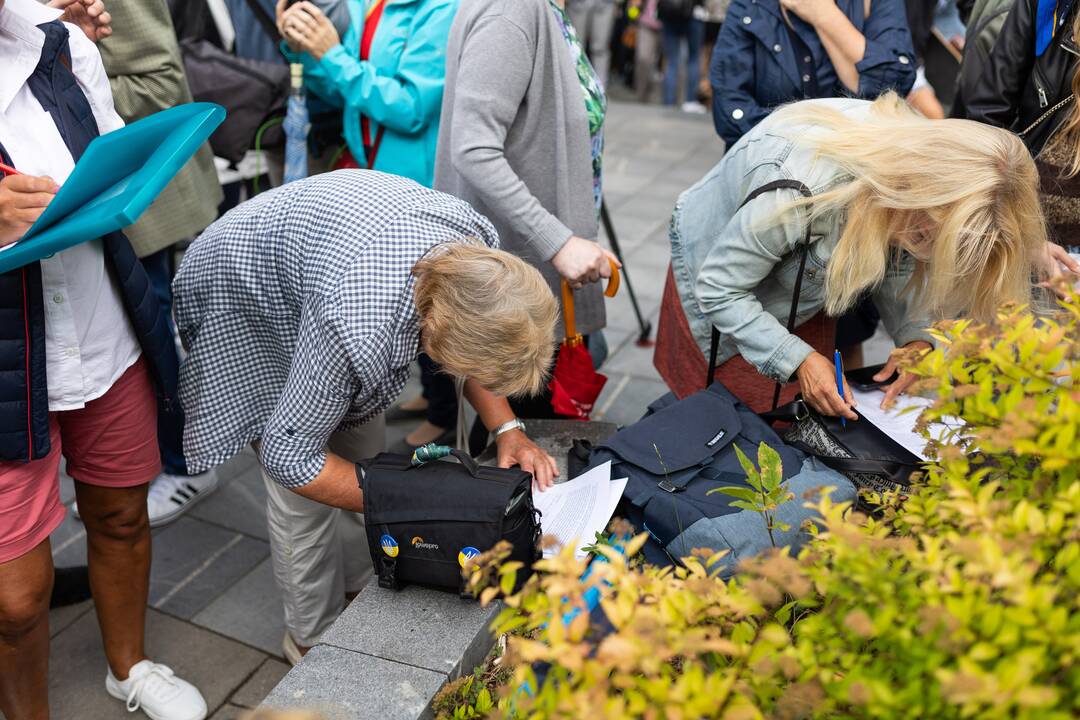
column 112, row 442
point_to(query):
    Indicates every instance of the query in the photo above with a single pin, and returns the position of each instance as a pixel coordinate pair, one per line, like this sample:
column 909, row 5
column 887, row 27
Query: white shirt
column 89, row 340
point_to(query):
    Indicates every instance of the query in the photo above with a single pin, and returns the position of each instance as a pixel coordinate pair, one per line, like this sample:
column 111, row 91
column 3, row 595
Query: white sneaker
column 694, row 108
column 154, row 689
column 173, row 495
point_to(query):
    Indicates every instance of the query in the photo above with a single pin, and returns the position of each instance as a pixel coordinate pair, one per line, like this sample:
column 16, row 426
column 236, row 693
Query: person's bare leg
column 25, row 586
column 118, row 556
column 417, row 403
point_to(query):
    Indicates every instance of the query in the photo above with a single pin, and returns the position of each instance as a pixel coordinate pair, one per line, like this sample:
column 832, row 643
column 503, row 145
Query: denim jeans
column 170, row 426
column 676, row 34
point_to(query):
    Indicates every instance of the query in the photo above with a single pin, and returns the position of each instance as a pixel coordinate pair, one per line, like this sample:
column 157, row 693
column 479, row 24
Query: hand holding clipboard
column 115, row 181
column 23, row 198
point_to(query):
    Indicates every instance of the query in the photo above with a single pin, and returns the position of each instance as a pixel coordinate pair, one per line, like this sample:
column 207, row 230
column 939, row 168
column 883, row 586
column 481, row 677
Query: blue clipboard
column 119, row 175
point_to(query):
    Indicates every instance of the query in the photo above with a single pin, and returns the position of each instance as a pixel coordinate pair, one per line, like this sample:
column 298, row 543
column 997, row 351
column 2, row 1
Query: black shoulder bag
column 866, row 455
column 425, row 520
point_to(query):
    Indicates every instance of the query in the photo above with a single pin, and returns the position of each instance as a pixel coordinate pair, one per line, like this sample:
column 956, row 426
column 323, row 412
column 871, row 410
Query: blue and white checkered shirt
column 297, row 310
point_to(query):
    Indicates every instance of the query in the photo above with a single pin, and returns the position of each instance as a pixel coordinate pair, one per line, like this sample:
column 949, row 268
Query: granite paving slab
column 250, row 611
column 633, row 360
column 434, row 630
column 69, row 542
column 239, row 503
column 77, row 666
column 259, row 685
column 61, row 618
column 228, row 711
column 625, row 399
column 345, row 685
column 194, row 562
column 67, row 487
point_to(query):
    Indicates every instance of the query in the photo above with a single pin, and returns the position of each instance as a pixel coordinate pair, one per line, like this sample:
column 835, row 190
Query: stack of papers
column 574, row 511
column 894, row 422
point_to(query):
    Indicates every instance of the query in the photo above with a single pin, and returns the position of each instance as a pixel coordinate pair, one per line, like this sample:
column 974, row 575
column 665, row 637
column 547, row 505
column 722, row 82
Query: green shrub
column 961, row 602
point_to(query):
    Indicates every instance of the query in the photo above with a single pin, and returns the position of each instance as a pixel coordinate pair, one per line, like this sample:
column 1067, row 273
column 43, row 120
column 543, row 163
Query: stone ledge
column 424, row 628
column 344, row 685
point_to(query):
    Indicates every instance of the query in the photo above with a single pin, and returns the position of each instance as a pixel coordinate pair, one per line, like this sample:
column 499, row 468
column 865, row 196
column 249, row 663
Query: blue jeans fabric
column 676, row 34
column 170, row 427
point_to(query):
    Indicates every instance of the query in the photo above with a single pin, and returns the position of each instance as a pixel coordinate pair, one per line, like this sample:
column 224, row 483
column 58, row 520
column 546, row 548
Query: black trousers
column 438, row 390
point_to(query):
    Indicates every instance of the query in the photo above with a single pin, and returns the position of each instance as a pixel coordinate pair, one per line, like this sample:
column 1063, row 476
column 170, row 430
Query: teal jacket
column 399, row 88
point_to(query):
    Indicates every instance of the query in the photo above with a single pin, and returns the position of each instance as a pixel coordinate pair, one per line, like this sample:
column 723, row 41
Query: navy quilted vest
column 24, row 396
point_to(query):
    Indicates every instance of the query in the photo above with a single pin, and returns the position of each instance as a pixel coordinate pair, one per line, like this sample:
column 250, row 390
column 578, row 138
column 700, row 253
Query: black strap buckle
column 668, row 486
column 388, row 573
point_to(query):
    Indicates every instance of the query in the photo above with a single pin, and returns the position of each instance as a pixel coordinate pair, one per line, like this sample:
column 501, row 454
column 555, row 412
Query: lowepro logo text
column 419, row 544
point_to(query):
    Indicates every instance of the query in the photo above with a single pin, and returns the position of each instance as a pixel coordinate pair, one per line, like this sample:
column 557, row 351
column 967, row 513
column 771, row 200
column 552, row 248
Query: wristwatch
column 506, row 427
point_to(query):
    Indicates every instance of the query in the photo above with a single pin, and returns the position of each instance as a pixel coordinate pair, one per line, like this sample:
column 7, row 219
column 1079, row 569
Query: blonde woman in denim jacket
column 934, row 218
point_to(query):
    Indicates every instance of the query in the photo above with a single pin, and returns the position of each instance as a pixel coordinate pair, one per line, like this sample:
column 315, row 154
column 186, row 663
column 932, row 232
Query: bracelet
column 506, row 427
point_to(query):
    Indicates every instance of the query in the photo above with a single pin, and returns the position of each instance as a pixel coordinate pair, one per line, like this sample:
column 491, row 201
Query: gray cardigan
column 514, row 137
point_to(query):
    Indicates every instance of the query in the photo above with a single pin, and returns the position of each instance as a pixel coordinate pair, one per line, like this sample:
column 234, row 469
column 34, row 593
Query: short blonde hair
column 977, row 184
column 487, row 315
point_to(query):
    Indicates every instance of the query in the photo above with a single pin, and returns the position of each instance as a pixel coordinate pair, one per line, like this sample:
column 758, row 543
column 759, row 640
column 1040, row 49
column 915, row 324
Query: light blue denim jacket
column 735, row 268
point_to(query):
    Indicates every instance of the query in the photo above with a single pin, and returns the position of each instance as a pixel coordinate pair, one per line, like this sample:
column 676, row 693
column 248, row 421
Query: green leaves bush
column 961, row 602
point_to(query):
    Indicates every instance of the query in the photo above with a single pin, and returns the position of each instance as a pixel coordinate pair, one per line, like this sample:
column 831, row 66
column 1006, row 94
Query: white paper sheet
column 576, row 510
column 615, row 492
column 900, row 427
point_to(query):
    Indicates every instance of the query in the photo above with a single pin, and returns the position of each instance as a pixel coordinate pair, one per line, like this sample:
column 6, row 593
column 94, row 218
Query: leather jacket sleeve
column 993, row 95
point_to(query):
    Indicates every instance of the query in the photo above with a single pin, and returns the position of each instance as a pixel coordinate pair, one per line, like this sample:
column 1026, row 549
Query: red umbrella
column 575, row 384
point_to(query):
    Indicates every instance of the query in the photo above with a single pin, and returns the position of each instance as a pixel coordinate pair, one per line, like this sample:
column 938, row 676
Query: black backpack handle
column 463, row 457
column 404, row 462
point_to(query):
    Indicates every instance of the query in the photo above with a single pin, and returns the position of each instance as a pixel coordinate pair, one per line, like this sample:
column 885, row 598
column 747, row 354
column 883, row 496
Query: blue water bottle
column 297, row 125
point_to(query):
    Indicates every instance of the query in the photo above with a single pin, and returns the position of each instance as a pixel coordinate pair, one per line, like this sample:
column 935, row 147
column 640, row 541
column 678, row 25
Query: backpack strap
column 786, row 184
column 264, row 19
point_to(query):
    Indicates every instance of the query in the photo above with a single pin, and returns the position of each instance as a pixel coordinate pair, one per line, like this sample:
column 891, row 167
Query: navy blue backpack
column 680, row 451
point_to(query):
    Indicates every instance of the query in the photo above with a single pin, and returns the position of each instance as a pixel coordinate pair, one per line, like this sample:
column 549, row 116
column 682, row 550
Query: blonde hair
column 977, row 185
column 1067, row 137
column 487, row 315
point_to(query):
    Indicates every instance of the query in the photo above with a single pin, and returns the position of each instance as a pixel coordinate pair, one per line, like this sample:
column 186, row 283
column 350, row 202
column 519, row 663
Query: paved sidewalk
column 215, row 616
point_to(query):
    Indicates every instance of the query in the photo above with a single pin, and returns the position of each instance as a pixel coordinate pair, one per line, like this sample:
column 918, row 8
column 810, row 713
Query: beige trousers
column 320, row 553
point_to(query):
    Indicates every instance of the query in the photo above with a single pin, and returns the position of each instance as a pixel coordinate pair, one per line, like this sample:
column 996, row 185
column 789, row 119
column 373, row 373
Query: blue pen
column 839, row 361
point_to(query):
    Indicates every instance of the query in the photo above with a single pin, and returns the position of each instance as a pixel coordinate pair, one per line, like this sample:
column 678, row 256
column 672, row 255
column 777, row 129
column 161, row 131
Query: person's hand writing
column 809, row 10
column 89, row 15
column 515, row 448
column 22, row 200
column 306, row 28
column 581, row 261
column 817, row 379
column 902, row 383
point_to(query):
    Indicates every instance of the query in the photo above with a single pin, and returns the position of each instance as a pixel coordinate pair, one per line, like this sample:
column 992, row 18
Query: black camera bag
column 424, row 522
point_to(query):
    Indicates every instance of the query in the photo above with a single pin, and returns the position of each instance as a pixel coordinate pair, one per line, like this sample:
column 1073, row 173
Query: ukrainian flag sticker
column 466, row 554
column 389, row 546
